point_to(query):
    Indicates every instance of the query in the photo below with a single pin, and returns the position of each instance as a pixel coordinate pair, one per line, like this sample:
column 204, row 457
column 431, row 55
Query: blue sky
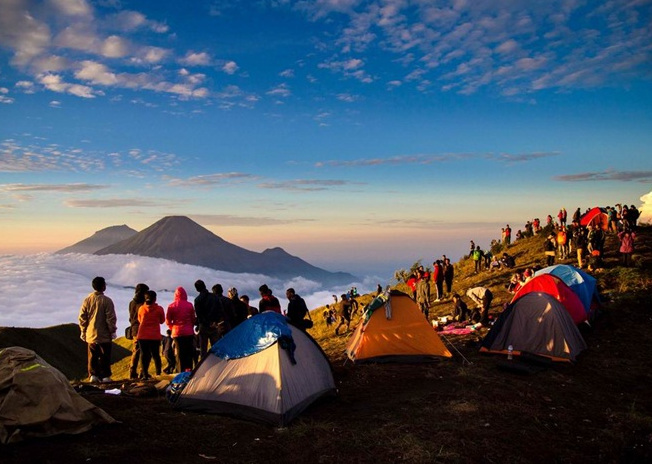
column 351, row 133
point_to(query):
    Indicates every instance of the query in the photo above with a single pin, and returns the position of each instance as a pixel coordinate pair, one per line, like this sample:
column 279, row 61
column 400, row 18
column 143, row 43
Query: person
column 472, row 249
column 508, row 235
column 205, row 310
column 449, row 273
column 562, row 238
column 168, row 348
column 515, row 283
column 181, row 320
column 549, row 250
column 345, row 313
column 225, row 315
column 297, row 309
column 134, row 305
column 626, row 238
column 577, row 215
column 478, row 256
column 439, row 279
column 634, row 214
column 251, row 310
column 482, row 297
column 98, row 326
column 508, row 261
column 412, row 285
column 150, row 317
column 423, row 295
column 268, row 301
column 240, row 308
column 460, row 309
column 579, row 242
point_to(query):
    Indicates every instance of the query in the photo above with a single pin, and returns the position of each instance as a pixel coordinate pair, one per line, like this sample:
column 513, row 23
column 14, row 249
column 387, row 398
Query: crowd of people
column 192, row 328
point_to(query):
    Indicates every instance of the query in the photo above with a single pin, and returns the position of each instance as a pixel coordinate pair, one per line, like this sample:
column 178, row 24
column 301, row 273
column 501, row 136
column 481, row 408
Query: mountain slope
column 180, row 239
column 100, row 239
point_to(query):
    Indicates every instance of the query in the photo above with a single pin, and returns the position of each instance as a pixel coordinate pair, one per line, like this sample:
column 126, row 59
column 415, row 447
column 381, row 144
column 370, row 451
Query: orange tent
column 554, row 286
column 405, row 336
column 597, row 218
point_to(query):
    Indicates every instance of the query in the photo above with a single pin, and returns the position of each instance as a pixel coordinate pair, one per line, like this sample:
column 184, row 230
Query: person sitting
column 508, row 261
column 494, row 264
column 515, row 283
column 460, row 310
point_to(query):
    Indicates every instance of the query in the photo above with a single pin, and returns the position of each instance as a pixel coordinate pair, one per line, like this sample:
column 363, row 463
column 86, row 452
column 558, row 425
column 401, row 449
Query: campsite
column 466, row 407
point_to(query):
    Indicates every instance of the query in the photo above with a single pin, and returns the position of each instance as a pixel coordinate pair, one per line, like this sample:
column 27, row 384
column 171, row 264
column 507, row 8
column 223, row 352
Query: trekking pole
column 456, row 350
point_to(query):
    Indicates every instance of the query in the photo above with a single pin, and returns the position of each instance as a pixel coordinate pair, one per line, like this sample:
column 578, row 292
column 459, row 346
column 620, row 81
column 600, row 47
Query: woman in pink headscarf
column 180, row 319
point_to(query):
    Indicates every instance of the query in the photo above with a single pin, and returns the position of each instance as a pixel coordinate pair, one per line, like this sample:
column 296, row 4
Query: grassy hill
column 596, row 411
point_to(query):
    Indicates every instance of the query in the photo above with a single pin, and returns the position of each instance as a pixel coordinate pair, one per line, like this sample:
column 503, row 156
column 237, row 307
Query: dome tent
column 553, row 285
column 265, row 369
column 584, row 285
column 400, row 332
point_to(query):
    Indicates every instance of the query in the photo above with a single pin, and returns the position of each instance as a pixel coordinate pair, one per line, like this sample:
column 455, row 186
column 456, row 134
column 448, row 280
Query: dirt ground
column 596, row 411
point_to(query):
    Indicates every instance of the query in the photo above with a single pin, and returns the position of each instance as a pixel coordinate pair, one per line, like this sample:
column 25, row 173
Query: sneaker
column 106, row 380
column 94, row 379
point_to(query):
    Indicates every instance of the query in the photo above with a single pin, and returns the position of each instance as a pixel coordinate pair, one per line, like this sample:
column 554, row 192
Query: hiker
column 98, row 326
column 472, row 249
column 562, row 238
column 251, row 310
column 482, row 297
column 423, row 294
column 579, row 242
column 449, row 273
column 168, row 349
column 181, row 319
column 494, row 264
column 412, row 285
column 205, row 308
column 508, row 261
column 297, row 309
column 515, row 283
column 225, row 314
column 562, row 216
column 460, row 309
column 268, row 302
column 478, row 256
column 508, row 235
column 134, row 305
column 345, row 314
column 438, row 279
column 150, row 317
column 549, row 249
column 633, row 215
column 626, row 238
column 240, row 308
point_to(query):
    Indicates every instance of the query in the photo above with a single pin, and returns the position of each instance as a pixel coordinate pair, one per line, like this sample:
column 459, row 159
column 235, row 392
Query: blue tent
column 583, row 284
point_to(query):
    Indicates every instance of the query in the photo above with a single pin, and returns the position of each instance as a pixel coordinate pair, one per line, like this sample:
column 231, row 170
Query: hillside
column 596, row 411
column 180, row 239
column 100, row 239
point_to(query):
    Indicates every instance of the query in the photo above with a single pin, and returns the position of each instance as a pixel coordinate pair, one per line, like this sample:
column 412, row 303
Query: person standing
column 549, row 247
column 134, row 305
column 297, row 309
column 439, row 281
column 98, row 326
column 205, row 309
column 251, row 310
column 150, row 317
column 423, row 295
column 181, row 319
column 478, row 259
column 449, row 274
column 225, row 311
column 508, row 235
column 345, row 313
column 268, row 302
column 626, row 246
column 168, row 349
column 240, row 308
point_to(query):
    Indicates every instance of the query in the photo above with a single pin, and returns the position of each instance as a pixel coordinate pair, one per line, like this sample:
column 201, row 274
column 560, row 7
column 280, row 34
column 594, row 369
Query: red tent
column 595, row 217
column 555, row 287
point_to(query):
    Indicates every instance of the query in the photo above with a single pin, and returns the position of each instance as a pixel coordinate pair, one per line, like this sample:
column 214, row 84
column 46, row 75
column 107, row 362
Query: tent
column 535, row 323
column 595, row 217
column 399, row 333
column 36, row 400
column 584, row 285
column 553, row 285
column 265, row 369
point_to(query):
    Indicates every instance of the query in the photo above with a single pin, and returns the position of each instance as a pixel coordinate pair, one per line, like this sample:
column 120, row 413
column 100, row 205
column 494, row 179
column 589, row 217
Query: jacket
column 626, row 242
column 180, row 317
column 97, row 319
column 150, row 317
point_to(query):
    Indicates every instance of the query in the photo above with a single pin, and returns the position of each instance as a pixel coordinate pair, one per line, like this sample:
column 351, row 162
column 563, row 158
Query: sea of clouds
column 46, row 289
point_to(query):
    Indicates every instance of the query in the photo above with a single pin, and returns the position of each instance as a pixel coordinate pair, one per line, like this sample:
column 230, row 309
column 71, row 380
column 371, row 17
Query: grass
column 597, row 411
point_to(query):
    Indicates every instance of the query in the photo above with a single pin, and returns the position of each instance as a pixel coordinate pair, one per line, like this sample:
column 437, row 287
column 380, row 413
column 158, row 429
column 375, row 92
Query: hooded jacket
column 180, row 317
column 150, row 316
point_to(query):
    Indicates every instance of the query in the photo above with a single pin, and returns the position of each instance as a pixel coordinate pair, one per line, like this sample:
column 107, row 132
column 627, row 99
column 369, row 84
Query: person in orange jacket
column 150, row 317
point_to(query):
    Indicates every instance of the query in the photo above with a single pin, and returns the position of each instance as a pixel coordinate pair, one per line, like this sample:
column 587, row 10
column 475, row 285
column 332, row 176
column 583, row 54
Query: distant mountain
column 180, row 239
column 100, row 239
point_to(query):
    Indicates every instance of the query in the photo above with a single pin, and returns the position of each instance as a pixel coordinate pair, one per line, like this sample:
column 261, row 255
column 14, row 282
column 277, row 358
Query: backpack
column 477, row 254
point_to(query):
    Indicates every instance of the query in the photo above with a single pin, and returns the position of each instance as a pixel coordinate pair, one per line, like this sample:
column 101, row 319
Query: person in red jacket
column 150, row 317
column 268, row 302
column 180, row 319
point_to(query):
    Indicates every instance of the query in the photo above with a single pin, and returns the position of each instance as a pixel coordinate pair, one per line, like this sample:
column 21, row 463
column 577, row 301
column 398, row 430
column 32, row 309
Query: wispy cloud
column 211, row 180
column 111, row 203
column 226, row 220
column 609, row 175
column 307, row 185
column 56, row 188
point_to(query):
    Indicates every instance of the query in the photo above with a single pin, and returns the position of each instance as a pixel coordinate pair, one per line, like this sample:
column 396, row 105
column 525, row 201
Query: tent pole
column 464, row 360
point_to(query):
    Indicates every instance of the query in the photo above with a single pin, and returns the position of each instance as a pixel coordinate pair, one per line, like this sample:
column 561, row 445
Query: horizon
column 355, row 135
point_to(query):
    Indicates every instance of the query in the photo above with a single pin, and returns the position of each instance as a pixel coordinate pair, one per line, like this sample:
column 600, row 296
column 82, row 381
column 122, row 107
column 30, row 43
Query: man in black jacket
column 206, row 311
column 297, row 308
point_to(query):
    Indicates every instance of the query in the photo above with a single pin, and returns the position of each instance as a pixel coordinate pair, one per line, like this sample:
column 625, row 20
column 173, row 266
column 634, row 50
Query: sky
column 359, row 135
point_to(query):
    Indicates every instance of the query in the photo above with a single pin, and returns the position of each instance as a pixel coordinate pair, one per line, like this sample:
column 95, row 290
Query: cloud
column 646, row 209
column 393, row 160
column 111, row 203
column 306, row 185
column 281, row 90
column 351, row 68
column 230, row 67
column 56, row 188
column 608, row 175
column 226, row 220
column 347, row 97
column 211, row 180
column 129, row 21
column 196, row 59
column 522, row 157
